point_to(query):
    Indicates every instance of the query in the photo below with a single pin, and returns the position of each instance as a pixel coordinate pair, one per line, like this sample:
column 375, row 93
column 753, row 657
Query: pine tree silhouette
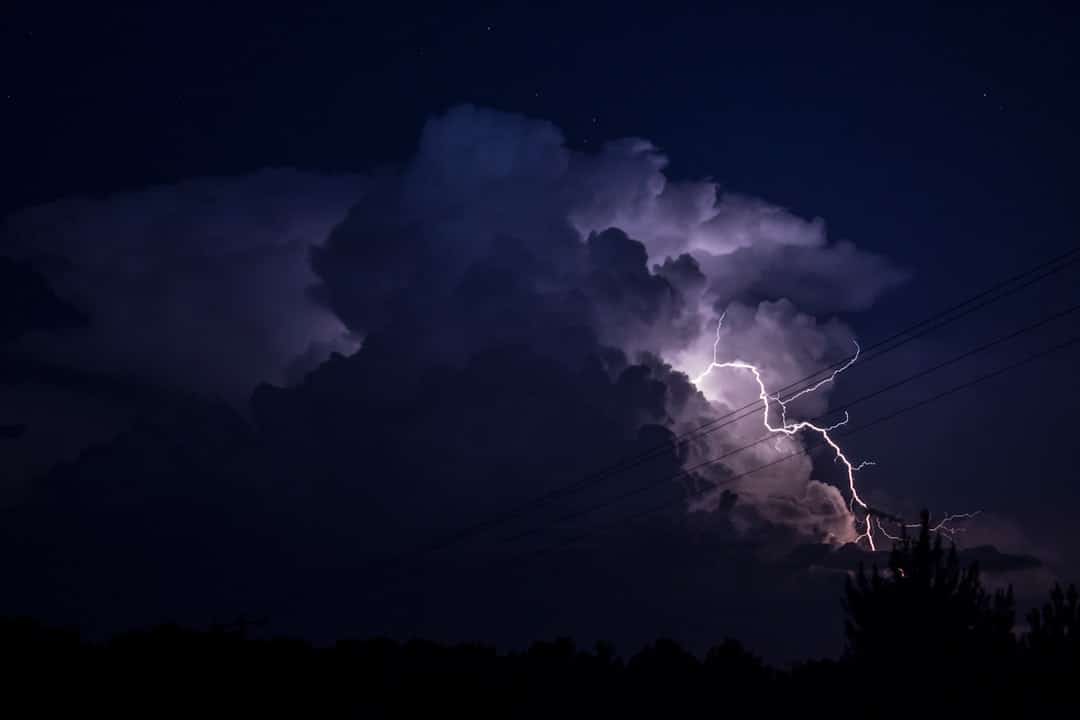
column 1054, row 635
column 927, row 616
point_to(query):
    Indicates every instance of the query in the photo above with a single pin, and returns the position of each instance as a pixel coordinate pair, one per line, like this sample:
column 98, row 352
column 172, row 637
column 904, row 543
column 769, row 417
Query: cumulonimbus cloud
column 607, row 241
column 494, row 234
column 201, row 285
column 529, row 314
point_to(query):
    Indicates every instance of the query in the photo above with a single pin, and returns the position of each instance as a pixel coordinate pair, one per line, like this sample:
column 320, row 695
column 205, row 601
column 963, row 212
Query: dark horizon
column 925, row 618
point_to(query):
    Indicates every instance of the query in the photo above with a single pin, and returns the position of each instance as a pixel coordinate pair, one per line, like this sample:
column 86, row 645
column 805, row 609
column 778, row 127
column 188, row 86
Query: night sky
column 292, row 296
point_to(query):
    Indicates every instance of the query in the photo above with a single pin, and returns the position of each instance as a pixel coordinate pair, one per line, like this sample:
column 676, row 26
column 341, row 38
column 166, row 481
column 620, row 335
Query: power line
column 1042, row 322
column 885, row 418
column 982, row 299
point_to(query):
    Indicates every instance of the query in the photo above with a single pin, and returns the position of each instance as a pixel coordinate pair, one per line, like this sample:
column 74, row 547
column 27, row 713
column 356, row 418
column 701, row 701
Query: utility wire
column 1053, row 317
column 877, row 421
column 996, row 292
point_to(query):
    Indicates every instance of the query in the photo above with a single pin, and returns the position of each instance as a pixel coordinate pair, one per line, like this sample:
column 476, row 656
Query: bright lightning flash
column 943, row 526
column 793, row 428
column 787, row 427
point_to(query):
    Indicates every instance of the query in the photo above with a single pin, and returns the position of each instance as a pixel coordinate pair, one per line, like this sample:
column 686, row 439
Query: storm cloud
column 495, row 235
column 497, row 232
column 200, row 285
column 498, row 317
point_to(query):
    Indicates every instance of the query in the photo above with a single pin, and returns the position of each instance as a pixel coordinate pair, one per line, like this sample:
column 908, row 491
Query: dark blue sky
column 942, row 137
column 939, row 135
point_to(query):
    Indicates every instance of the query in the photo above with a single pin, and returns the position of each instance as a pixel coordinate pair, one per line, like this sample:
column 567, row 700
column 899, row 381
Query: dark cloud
column 527, row 315
column 28, row 307
column 497, row 232
column 12, row 432
column 28, row 303
column 201, row 285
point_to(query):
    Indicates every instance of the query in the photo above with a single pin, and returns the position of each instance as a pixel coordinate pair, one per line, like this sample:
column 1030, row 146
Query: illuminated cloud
column 494, row 207
column 496, row 260
column 202, row 284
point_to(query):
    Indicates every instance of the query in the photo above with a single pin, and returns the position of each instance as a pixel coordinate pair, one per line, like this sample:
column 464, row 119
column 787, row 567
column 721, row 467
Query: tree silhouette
column 1052, row 649
column 1054, row 635
column 927, row 616
column 924, row 638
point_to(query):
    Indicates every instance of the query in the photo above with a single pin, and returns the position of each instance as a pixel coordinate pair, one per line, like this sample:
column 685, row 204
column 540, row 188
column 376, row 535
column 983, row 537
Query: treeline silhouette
column 924, row 638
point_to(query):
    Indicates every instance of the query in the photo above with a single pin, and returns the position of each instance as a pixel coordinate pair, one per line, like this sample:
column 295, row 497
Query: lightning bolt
column 786, row 427
column 943, row 526
column 789, row 428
